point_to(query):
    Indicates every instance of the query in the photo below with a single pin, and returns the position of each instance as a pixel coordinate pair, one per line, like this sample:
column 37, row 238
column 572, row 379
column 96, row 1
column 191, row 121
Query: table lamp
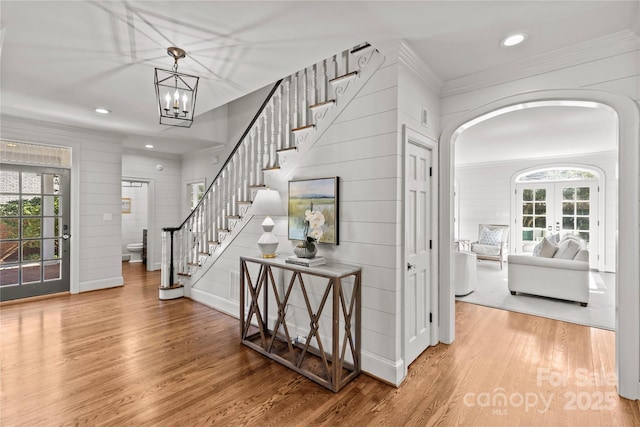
column 267, row 202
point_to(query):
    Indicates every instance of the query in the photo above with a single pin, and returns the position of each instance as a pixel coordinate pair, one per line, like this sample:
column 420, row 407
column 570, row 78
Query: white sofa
column 563, row 275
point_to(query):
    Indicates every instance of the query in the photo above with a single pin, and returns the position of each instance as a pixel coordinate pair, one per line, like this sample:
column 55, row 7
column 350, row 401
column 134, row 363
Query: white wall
column 95, row 205
column 485, row 194
column 165, row 207
column 134, row 222
column 363, row 148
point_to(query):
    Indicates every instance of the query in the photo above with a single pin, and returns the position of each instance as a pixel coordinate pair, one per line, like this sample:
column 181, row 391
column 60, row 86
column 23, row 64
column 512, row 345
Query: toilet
column 136, row 252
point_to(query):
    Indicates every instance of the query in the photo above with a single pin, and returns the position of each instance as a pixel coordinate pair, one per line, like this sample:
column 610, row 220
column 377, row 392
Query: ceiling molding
column 602, row 47
column 408, row 57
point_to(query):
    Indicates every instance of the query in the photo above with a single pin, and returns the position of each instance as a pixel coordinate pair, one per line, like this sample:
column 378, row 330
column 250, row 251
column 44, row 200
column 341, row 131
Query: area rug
column 492, row 291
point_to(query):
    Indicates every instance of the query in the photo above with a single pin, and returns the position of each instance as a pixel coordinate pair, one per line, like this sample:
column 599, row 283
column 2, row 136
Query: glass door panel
column 34, row 216
column 533, row 218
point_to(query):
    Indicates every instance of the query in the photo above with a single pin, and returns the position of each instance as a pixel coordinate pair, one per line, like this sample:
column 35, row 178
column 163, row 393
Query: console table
column 332, row 366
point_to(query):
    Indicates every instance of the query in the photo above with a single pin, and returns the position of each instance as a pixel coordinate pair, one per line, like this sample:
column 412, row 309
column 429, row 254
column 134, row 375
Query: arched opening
column 628, row 292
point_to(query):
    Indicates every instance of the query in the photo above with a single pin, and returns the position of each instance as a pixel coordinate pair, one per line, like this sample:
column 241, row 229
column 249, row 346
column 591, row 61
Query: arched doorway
column 628, row 247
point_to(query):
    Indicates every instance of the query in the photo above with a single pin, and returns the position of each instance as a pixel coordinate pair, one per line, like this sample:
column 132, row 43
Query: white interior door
column 418, row 249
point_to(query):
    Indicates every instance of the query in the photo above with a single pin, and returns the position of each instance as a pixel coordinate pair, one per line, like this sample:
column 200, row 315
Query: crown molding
column 408, row 57
column 599, row 48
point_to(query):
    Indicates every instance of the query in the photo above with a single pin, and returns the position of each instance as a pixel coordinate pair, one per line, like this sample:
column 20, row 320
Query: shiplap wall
column 485, row 194
column 361, row 147
column 96, row 240
column 364, row 148
column 165, row 209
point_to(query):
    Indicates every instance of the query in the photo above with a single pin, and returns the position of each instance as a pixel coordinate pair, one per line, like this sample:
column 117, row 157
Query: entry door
column 418, row 253
column 34, row 231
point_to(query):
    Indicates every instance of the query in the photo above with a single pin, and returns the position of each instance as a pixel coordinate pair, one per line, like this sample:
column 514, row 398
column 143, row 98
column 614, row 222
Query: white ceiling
column 546, row 131
column 61, row 59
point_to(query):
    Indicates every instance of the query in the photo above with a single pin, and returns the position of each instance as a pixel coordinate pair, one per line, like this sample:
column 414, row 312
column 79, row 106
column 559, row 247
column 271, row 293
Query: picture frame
column 126, row 205
column 318, row 194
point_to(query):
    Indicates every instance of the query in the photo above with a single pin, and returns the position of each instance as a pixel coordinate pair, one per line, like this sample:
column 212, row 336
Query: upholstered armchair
column 492, row 243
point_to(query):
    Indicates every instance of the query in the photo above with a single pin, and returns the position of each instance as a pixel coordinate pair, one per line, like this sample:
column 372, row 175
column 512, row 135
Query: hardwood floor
column 122, row 357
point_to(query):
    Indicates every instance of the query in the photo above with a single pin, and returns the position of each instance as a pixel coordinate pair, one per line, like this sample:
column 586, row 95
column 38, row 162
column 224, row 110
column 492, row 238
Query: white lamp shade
column 267, row 202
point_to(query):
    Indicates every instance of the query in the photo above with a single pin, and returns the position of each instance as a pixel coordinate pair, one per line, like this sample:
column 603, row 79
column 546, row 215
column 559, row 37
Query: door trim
column 410, row 136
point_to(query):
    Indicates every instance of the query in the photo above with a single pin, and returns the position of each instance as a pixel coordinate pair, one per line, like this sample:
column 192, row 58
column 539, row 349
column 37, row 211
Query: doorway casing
column 628, row 246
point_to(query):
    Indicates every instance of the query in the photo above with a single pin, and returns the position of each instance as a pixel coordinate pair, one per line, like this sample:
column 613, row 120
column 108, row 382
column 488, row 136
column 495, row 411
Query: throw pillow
column 490, row 237
column 582, row 255
column 548, row 248
column 567, row 249
column 553, row 238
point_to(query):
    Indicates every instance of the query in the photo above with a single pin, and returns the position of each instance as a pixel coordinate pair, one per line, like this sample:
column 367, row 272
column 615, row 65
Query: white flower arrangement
column 313, row 221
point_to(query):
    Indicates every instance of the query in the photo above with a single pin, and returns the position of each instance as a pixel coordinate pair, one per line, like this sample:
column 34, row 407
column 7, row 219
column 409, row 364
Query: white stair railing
column 288, row 112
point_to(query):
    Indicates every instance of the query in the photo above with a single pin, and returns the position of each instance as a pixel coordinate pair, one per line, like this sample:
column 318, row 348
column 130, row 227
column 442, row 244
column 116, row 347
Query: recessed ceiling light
column 513, row 40
column 148, row 146
column 102, row 111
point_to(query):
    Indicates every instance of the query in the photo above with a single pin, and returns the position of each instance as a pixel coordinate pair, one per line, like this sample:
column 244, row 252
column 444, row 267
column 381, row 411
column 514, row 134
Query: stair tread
column 244, row 202
column 320, row 104
column 193, row 264
column 303, row 128
column 358, row 49
column 344, row 76
column 257, row 186
column 214, row 242
column 204, row 253
column 275, row 168
column 223, row 229
column 286, row 149
column 234, row 216
column 184, row 274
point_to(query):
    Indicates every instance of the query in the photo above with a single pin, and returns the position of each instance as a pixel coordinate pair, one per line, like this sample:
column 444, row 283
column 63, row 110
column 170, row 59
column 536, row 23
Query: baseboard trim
column 94, row 285
column 218, row 303
column 383, row 369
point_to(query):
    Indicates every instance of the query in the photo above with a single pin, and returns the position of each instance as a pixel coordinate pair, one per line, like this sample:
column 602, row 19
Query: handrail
column 244, row 135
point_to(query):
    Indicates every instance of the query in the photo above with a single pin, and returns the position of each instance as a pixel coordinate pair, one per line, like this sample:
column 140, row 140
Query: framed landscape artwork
column 319, row 195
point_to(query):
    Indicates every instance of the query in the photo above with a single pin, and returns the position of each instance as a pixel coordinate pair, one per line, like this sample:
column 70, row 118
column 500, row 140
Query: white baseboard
column 221, row 304
column 385, row 369
column 94, row 285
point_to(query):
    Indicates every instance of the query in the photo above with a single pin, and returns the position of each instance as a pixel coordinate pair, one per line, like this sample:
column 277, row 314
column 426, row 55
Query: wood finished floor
column 122, row 357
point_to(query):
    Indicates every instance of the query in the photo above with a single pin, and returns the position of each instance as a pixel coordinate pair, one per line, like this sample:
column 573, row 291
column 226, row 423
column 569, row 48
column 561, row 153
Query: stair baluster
column 270, row 132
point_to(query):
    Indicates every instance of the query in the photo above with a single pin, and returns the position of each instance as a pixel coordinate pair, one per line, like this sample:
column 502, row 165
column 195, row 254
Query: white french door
column 567, row 207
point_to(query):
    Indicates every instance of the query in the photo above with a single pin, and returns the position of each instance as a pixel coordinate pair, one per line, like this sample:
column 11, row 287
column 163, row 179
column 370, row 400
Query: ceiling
column 61, row 59
column 544, row 131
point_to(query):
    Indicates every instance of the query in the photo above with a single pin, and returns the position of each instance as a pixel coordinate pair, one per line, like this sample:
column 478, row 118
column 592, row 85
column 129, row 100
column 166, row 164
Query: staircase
column 299, row 109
